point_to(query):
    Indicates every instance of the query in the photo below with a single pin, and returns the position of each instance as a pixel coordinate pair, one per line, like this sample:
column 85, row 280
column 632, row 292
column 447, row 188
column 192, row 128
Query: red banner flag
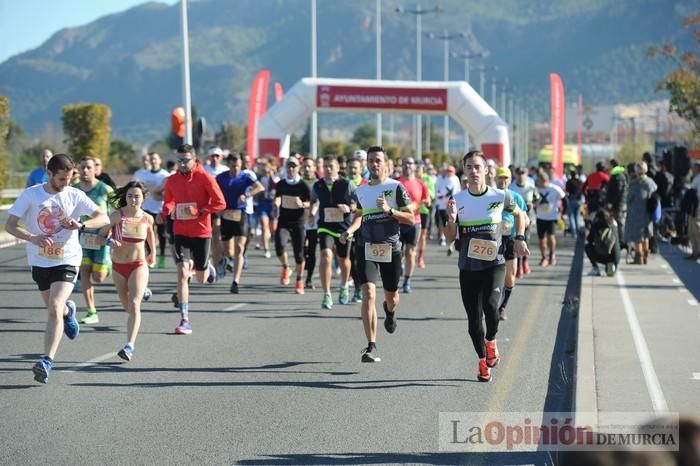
column 557, row 92
column 279, row 93
column 256, row 109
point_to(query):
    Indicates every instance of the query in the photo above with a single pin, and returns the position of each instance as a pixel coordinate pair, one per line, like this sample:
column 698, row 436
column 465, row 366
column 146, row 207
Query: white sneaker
column 267, row 254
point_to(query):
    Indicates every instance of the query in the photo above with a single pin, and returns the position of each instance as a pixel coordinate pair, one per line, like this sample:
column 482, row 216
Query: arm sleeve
column 85, row 206
column 217, row 202
column 402, row 197
column 168, row 198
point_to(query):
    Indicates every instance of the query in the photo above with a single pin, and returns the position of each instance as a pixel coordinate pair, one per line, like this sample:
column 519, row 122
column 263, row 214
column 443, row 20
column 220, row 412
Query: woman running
column 130, row 227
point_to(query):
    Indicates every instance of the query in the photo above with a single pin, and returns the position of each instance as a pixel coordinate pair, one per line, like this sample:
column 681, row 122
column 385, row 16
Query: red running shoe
column 491, row 353
column 484, row 372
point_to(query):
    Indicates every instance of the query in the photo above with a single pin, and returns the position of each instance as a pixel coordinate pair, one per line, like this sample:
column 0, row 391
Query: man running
column 48, row 212
column 525, row 186
column 356, row 180
column 215, row 167
column 330, row 198
column 40, row 174
column 381, row 204
column 191, row 195
column 410, row 232
column 238, row 187
column 503, row 179
column 424, row 210
column 291, row 198
column 547, row 211
column 446, row 186
column 308, row 169
column 154, row 182
column 96, row 265
column 474, row 217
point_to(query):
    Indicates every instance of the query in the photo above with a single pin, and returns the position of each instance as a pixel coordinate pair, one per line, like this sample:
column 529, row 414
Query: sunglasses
column 294, row 165
column 183, row 161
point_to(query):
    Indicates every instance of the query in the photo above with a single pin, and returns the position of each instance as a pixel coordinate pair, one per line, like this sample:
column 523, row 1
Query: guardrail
column 12, row 193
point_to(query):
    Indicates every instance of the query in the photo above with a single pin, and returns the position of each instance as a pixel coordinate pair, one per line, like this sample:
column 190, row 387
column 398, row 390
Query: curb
column 7, row 240
column 585, row 388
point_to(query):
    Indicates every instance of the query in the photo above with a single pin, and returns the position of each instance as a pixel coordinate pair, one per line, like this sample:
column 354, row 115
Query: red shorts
column 125, row 269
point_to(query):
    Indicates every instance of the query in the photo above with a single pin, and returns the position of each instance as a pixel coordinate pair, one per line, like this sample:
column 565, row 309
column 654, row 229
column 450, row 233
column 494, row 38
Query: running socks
column 184, row 311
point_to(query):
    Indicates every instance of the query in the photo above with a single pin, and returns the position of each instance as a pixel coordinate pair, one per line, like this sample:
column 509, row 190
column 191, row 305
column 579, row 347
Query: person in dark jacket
column 603, row 243
column 617, row 197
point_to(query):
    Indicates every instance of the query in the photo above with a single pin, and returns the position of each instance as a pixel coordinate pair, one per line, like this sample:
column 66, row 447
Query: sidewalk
column 639, row 337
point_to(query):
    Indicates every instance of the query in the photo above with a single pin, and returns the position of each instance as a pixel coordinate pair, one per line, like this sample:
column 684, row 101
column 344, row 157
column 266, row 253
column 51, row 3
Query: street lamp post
column 314, row 115
column 446, row 37
column 186, row 72
column 379, row 64
column 419, row 12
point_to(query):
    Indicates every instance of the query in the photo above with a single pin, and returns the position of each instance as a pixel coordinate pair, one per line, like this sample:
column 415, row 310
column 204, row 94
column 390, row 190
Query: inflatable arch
column 454, row 98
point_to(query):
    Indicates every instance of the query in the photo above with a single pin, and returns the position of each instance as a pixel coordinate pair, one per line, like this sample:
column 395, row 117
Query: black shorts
column 367, row 271
column 508, row 248
column 545, row 227
column 440, row 218
column 409, row 234
column 198, row 247
column 229, row 228
column 327, row 241
column 45, row 276
column 424, row 218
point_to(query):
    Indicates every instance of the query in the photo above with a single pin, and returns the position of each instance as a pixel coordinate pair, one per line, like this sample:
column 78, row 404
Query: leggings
column 282, row 236
column 481, row 292
column 310, row 252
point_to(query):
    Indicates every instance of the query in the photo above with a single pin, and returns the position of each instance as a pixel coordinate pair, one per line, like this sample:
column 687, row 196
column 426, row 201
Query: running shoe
column 544, row 262
column 78, row 287
column 610, row 269
column 284, row 275
column 267, row 254
column 389, row 319
column 245, row 261
column 369, row 354
column 357, row 296
column 491, row 353
column 90, row 318
column 212, row 274
column 229, row 264
column 407, row 287
column 526, row 267
column 185, row 328
column 234, row 288
column 421, row 262
column 70, row 324
column 299, row 287
column 484, row 372
column 221, row 267
column 127, row 352
column 450, row 250
column 502, row 313
column 309, row 285
column 595, row 272
column 175, row 300
column 327, row 302
column 147, row 293
column 553, row 259
column 443, row 242
column 42, row 369
column 343, row 295
column 161, row 262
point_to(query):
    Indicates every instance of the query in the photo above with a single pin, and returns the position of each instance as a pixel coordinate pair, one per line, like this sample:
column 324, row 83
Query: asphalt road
column 269, row 378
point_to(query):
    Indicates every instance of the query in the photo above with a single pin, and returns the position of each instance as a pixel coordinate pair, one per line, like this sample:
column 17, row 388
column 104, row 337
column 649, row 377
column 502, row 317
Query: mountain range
column 131, row 60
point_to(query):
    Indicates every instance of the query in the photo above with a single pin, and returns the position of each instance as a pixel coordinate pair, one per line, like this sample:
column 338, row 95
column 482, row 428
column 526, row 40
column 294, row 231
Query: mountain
column 131, row 60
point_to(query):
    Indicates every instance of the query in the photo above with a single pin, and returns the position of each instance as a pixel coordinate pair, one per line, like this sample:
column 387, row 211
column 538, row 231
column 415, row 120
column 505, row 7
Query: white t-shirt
column 216, row 171
column 41, row 213
column 152, row 181
column 547, row 208
column 445, row 187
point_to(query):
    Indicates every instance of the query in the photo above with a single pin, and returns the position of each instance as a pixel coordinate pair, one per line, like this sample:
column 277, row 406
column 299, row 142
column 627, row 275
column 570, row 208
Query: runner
column 48, row 212
column 40, row 175
column 446, row 186
column 426, row 219
column 291, row 198
column 237, row 186
column 131, row 228
column 191, row 195
column 356, row 180
column 503, row 179
column 266, row 221
column 96, row 264
column 215, row 168
column 308, row 169
column 330, row 198
column 145, row 167
column 547, row 211
column 474, row 216
column 525, row 186
column 381, row 204
column 154, row 183
column 410, row 232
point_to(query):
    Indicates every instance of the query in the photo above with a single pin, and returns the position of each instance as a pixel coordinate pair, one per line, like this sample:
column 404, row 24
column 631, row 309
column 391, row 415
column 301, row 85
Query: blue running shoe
column 357, row 296
column 42, row 369
column 245, row 261
column 70, row 324
column 327, row 302
column 344, row 295
column 126, row 353
column 185, row 328
column 407, row 287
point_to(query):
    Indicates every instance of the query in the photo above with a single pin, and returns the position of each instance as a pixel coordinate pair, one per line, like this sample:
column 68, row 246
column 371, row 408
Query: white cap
column 215, row 150
column 490, row 163
column 359, row 154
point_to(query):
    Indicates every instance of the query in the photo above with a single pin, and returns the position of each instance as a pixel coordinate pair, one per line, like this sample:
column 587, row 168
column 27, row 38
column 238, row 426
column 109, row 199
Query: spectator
column 664, row 181
column 616, row 197
column 603, row 243
column 694, row 217
column 638, row 227
column 39, row 175
column 593, row 188
column 574, row 188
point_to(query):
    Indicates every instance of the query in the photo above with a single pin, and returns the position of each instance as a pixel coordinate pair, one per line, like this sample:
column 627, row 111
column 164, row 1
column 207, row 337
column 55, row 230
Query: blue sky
column 26, row 24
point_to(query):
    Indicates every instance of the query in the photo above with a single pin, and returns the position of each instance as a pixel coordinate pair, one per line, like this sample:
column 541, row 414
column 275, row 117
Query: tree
column 122, row 157
column 88, row 130
column 4, row 129
column 231, row 136
column 682, row 83
column 331, row 148
column 364, row 135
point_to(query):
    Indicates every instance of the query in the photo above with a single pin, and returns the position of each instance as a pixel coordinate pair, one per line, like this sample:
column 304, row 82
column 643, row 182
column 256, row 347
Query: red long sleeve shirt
column 198, row 190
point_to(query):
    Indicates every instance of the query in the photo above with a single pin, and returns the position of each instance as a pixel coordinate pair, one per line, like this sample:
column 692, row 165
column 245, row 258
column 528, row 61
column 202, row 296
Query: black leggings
column 310, row 253
column 481, row 293
column 282, row 235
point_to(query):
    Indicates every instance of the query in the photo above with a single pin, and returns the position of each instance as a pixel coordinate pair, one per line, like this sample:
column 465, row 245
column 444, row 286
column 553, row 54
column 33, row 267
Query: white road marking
column 9, row 244
column 664, row 266
column 696, row 375
column 91, row 362
column 692, row 302
column 676, row 280
column 234, row 307
column 652, row 381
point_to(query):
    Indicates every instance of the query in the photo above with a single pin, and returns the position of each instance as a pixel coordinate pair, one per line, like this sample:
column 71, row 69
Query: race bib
column 290, row 202
column 53, row 252
column 232, row 215
column 332, row 215
column 544, row 208
column 183, row 211
column 482, row 249
column 134, row 230
column 378, row 252
column 90, row 241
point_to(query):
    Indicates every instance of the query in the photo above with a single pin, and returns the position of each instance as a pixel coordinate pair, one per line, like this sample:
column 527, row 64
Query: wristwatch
column 520, row 237
column 391, row 212
column 82, row 227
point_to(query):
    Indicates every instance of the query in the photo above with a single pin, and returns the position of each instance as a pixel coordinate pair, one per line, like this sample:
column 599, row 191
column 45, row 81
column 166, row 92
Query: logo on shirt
column 49, row 219
column 388, row 193
column 494, row 205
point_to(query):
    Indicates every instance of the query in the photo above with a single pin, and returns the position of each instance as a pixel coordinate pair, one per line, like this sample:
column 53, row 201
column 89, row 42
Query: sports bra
column 130, row 229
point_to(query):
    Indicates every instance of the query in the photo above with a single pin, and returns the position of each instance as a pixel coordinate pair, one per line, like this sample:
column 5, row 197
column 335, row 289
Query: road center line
column 90, row 363
column 652, row 381
column 235, row 306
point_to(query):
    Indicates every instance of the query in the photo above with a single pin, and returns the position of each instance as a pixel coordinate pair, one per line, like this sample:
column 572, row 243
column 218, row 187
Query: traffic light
column 177, row 121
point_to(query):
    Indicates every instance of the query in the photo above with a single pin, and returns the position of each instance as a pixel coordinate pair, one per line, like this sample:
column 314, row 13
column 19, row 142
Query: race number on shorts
column 232, row 215
column 482, row 249
column 378, row 252
column 53, row 252
column 184, row 211
column 333, row 214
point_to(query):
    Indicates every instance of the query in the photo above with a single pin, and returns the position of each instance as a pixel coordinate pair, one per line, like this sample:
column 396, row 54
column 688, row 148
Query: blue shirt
column 508, row 220
column 37, row 176
column 234, row 187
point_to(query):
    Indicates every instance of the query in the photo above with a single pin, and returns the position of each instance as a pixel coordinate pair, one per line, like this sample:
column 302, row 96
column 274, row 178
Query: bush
column 87, row 129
